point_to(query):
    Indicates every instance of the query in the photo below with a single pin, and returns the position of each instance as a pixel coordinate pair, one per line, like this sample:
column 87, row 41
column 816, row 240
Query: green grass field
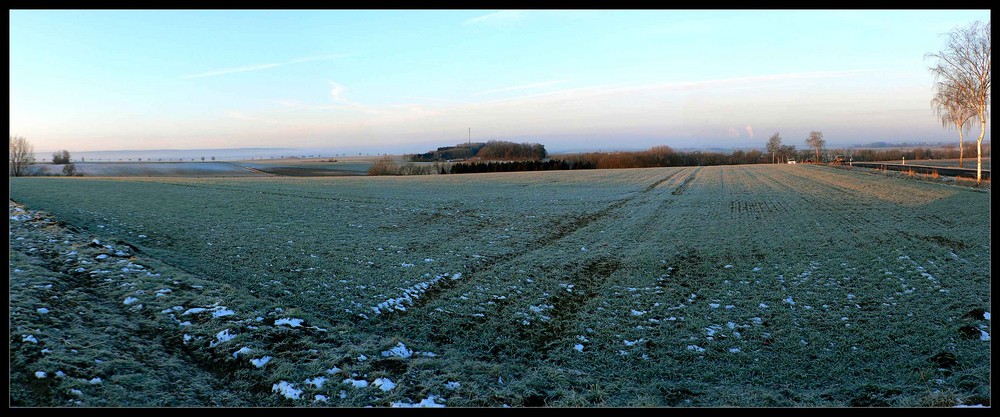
column 745, row 286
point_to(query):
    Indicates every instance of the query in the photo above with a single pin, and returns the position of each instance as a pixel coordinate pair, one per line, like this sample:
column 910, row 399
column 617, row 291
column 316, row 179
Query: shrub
column 384, row 166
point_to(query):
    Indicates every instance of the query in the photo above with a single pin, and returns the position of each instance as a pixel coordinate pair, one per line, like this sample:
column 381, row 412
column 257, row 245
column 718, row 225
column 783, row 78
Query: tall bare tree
column 22, row 154
column 815, row 141
column 774, row 145
column 785, row 152
column 964, row 65
column 954, row 112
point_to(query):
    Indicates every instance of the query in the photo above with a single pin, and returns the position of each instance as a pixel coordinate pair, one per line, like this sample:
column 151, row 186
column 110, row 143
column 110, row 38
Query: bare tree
column 786, row 151
column 954, row 112
column 774, row 145
column 22, row 154
column 815, row 141
column 964, row 65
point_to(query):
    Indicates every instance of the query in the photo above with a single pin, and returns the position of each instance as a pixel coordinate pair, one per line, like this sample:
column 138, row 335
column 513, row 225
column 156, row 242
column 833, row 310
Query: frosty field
column 746, row 286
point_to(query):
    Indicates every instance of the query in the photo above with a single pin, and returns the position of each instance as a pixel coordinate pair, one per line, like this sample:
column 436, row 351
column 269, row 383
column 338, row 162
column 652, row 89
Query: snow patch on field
column 287, row 389
column 633, row 342
column 410, row 295
column 426, row 402
column 243, row 350
column 291, row 322
column 223, row 337
column 356, row 383
column 399, row 350
column 260, row 362
column 385, row 384
column 317, row 381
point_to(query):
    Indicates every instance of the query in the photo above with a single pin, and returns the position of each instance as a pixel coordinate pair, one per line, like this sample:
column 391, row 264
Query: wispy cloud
column 340, row 102
column 238, row 115
column 246, row 68
column 569, row 93
column 258, row 67
column 521, row 87
column 496, row 18
column 738, row 81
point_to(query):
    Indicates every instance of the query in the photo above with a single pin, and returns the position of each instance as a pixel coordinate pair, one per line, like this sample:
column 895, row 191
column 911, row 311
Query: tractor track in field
column 589, row 278
column 687, row 181
column 559, row 232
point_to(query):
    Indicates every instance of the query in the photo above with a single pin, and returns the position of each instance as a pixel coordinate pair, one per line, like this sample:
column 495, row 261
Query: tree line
column 494, row 150
column 514, row 166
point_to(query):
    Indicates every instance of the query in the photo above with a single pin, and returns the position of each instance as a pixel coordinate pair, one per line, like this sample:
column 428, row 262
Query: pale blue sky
column 404, row 81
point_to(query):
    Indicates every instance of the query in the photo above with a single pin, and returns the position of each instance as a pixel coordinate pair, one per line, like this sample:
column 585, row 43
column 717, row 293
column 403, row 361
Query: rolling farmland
column 768, row 285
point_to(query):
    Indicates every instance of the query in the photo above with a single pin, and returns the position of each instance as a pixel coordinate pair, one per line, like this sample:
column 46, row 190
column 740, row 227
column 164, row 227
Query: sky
column 399, row 81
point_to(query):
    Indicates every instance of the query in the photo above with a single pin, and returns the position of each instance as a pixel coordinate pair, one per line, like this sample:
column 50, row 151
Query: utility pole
column 470, row 136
